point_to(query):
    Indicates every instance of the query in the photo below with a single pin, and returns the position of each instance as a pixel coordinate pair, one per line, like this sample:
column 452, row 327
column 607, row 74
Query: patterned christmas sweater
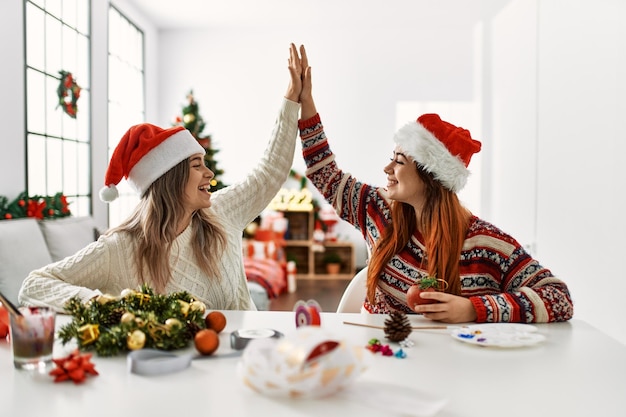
column 503, row 282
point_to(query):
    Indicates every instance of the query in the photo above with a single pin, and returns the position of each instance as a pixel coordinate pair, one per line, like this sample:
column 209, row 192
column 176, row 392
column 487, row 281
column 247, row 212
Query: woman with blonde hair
column 181, row 237
column 416, row 227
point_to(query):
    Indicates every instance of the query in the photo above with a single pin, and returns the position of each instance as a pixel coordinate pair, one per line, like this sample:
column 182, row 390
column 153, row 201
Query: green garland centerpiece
column 136, row 319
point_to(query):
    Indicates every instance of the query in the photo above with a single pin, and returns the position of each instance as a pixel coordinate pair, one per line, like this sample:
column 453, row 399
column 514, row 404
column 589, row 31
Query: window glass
column 58, row 143
column 126, row 97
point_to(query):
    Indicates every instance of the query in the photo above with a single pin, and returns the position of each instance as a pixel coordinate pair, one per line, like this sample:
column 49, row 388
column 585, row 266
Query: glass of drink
column 32, row 337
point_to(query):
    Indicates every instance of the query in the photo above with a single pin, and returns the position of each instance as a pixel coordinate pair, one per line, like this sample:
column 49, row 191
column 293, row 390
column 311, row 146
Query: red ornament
column 75, row 367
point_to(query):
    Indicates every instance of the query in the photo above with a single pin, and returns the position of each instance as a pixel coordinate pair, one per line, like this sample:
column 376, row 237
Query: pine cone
column 192, row 329
column 113, row 318
column 397, row 326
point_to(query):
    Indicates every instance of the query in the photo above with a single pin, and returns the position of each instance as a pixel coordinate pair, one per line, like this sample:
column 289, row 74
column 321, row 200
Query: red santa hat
column 442, row 148
column 144, row 153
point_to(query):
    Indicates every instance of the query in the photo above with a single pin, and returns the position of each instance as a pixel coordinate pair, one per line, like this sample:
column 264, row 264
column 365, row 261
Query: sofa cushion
column 67, row 235
column 22, row 250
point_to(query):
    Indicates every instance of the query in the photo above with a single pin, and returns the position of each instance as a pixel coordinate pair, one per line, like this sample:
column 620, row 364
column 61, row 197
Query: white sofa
column 27, row 244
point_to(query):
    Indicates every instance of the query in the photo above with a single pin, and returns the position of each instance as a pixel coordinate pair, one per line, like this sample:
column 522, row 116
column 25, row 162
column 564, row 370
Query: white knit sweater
column 106, row 267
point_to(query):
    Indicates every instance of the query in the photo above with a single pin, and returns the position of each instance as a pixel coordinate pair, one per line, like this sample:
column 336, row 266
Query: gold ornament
column 189, row 118
column 127, row 293
column 136, row 340
column 173, row 323
column 127, row 317
column 88, row 333
column 140, row 322
column 198, row 306
column 105, row 298
column 184, row 307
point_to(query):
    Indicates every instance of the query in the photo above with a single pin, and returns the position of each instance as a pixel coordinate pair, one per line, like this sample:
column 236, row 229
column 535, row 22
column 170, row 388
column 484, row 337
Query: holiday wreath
column 134, row 320
column 68, row 93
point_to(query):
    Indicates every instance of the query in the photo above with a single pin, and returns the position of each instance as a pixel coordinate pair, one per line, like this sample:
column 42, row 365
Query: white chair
column 354, row 294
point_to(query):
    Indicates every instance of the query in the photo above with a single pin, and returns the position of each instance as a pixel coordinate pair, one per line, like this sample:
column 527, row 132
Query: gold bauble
column 127, row 292
column 127, row 317
column 172, row 323
column 198, row 306
column 184, row 307
column 136, row 340
column 105, row 298
column 189, row 118
column 140, row 322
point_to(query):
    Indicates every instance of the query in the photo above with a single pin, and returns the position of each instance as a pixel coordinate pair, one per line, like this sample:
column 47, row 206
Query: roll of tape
column 239, row 339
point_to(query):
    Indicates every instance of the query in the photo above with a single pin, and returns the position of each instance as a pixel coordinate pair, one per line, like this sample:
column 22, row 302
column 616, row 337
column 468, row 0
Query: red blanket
column 268, row 273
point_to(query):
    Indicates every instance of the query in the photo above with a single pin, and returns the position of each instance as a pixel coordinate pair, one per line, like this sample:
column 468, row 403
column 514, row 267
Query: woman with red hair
column 416, row 227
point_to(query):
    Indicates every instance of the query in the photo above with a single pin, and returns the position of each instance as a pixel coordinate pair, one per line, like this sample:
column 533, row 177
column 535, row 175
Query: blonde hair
column 154, row 222
column 443, row 223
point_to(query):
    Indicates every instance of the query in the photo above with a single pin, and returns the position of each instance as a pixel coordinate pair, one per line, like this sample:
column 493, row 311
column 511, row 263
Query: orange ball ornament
column 215, row 320
column 207, row 341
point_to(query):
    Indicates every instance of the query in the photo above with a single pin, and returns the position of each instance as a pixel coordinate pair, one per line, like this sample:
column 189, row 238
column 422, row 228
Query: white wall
column 546, row 75
column 558, row 147
column 12, row 156
column 582, row 153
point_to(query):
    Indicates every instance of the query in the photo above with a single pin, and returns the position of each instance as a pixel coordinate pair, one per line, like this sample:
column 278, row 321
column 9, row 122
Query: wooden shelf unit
column 301, row 247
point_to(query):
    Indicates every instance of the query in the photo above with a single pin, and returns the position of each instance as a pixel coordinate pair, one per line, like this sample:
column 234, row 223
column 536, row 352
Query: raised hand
column 295, row 71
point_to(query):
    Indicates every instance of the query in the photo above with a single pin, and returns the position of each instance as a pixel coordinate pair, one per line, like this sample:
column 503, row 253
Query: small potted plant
column 333, row 262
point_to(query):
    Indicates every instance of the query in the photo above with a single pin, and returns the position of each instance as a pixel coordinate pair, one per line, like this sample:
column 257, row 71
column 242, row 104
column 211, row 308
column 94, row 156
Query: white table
column 576, row 371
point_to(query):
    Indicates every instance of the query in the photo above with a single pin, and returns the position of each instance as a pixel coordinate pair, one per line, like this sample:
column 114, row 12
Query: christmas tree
column 193, row 122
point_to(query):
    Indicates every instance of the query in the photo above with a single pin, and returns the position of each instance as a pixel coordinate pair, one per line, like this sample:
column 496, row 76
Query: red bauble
column 413, row 298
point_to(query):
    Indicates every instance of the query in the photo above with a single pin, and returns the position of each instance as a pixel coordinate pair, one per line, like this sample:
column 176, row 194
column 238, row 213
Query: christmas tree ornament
column 206, row 341
column 127, row 292
column 184, row 307
column 215, row 320
column 88, row 333
column 425, row 284
column 198, row 306
column 105, row 298
column 189, row 118
column 173, row 323
column 136, row 340
column 127, row 317
column 397, row 326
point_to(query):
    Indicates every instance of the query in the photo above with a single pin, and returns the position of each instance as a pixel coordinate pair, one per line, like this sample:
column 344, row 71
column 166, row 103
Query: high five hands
column 300, row 84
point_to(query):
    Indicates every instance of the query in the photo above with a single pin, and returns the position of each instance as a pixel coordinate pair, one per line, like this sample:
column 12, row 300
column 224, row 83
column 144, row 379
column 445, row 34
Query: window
column 58, row 145
column 126, row 97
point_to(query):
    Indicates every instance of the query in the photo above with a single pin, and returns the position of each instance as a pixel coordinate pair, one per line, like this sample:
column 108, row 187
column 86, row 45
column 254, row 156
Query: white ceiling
column 173, row 14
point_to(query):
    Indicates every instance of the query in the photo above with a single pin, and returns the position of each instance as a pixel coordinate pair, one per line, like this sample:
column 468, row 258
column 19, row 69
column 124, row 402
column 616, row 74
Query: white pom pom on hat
column 145, row 153
column 109, row 193
column 442, row 148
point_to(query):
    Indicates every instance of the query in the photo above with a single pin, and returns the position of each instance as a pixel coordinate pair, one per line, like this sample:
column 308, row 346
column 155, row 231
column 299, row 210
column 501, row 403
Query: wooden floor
column 327, row 292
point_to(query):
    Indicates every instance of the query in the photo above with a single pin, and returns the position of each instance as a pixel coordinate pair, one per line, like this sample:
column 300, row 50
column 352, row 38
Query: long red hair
column 443, row 223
